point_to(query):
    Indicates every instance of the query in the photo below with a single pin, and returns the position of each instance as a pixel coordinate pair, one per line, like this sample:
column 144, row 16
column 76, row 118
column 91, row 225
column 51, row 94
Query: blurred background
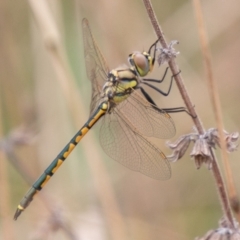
column 92, row 196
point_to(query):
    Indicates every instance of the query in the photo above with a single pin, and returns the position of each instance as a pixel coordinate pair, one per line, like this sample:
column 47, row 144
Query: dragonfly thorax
column 120, row 84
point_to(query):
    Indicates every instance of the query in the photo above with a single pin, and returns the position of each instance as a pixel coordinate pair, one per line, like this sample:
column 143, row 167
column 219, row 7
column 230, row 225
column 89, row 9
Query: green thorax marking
column 120, row 84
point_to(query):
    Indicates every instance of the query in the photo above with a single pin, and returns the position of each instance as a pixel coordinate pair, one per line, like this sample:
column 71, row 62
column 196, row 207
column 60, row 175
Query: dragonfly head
column 142, row 62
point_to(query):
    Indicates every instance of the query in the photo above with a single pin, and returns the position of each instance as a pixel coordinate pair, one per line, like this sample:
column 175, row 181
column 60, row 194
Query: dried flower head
column 230, row 139
column 179, row 147
column 17, row 137
column 224, row 232
column 167, row 53
column 201, row 152
column 21, row 136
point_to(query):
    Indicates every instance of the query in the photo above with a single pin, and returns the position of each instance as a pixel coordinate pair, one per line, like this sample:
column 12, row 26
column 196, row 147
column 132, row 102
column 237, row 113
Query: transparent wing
column 124, row 144
column 96, row 66
column 149, row 121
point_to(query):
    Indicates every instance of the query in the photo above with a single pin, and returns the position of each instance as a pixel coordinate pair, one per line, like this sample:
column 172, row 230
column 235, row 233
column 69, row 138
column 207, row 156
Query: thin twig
column 179, row 81
column 215, row 97
column 174, row 68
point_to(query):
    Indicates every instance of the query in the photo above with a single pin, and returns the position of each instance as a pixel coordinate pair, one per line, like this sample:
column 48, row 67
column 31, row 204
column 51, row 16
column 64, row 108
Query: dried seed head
column 231, row 141
column 17, row 137
column 21, row 136
column 179, row 148
column 167, row 53
column 212, row 137
column 201, row 152
column 224, row 232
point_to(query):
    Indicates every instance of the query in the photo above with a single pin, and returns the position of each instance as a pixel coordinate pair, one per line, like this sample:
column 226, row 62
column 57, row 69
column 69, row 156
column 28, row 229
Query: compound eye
column 141, row 62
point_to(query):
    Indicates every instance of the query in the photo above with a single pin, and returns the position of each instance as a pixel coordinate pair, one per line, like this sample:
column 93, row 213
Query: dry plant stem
column 214, row 96
column 22, row 168
column 7, row 228
column 179, row 81
column 174, row 68
column 222, row 191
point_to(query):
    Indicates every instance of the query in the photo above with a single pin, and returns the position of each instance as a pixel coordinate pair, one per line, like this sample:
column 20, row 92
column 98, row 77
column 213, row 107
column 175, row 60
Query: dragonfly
column 128, row 114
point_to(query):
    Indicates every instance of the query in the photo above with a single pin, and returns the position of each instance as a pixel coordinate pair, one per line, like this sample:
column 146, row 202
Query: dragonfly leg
column 177, row 110
column 146, row 95
column 150, row 49
column 157, row 80
column 145, row 81
column 168, row 110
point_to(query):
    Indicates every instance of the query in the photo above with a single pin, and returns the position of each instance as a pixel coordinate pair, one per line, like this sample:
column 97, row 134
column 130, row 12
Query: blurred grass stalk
column 5, row 213
column 214, row 94
column 53, row 43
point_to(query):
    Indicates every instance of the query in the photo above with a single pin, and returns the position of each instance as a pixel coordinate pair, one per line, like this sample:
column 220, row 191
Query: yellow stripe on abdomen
column 59, row 163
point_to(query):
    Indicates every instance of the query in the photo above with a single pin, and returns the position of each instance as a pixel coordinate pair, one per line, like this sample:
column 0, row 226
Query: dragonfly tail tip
column 17, row 214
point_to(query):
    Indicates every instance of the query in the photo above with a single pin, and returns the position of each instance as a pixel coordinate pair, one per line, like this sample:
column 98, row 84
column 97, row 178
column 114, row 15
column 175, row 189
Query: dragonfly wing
column 96, row 66
column 125, row 145
column 146, row 118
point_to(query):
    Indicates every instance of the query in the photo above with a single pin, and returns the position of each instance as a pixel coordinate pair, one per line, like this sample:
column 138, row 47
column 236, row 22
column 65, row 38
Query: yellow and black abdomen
column 57, row 162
